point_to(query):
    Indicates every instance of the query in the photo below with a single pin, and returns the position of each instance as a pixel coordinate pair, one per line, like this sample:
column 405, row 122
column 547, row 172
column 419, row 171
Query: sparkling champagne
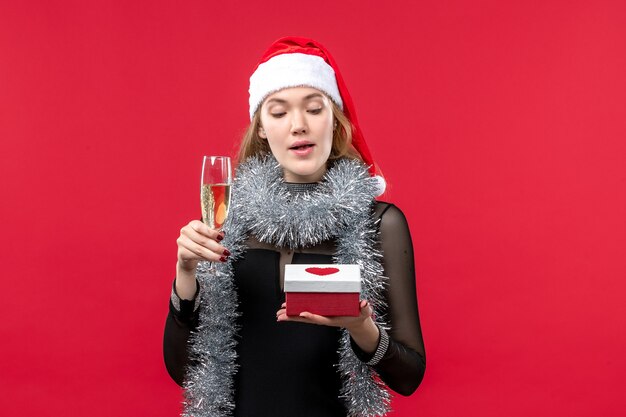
column 215, row 200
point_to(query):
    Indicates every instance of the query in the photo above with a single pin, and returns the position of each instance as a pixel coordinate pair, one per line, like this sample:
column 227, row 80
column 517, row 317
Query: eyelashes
column 281, row 114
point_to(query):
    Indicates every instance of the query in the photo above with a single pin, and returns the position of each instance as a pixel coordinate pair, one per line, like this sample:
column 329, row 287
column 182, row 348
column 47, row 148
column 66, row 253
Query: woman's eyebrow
column 313, row 95
column 307, row 97
column 278, row 100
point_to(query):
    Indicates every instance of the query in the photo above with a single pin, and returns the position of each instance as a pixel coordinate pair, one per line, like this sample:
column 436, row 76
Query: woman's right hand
column 198, row 242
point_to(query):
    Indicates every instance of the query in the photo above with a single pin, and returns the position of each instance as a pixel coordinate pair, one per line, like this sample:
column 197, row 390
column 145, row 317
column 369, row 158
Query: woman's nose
column 298, row 123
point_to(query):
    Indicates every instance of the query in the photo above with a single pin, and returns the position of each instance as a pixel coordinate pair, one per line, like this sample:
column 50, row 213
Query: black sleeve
column 404, row 362
column 178, row 326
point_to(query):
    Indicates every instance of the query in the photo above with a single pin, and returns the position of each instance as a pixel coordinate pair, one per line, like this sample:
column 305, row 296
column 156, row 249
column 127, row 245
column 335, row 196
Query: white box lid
column 322, row 278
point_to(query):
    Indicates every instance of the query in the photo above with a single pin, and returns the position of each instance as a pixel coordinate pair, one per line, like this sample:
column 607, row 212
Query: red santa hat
column 296, row 62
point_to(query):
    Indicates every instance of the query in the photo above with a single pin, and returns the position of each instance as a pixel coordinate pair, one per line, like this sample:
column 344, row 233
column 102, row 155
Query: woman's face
column 298, row 125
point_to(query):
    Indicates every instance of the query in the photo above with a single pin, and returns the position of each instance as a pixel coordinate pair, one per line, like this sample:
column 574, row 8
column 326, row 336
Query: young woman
column 304, row 193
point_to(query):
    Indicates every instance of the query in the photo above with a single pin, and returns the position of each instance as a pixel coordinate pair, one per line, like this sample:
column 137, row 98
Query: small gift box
column 327, row 290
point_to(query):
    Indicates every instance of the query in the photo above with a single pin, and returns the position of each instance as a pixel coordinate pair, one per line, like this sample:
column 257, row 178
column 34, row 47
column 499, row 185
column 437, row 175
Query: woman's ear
column 262, row 133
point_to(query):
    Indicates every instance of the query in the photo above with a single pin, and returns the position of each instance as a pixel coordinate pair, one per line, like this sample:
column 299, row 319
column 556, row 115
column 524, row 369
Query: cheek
column 329, row 135
column 324, row 129
column 274, row 128
column 273, row 145
column 276, row 144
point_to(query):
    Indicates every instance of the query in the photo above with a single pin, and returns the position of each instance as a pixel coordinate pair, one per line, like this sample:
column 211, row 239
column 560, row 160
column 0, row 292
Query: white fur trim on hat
column 292, row 70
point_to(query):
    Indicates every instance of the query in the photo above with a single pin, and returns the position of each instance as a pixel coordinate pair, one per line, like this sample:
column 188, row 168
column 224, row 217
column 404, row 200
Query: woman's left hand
column 362, row 328
column 348, row 322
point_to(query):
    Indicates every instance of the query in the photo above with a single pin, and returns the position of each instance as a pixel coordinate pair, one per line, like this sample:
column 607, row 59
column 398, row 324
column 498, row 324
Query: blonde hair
column 254, row 145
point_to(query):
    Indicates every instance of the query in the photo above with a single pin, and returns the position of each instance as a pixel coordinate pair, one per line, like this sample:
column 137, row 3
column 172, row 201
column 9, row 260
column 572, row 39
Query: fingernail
column 223, row 233
column 223, row 259
column 226, row 252
column 220, row 238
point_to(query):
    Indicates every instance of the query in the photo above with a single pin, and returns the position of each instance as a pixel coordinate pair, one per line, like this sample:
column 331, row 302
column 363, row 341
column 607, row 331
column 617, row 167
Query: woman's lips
column 302, row 149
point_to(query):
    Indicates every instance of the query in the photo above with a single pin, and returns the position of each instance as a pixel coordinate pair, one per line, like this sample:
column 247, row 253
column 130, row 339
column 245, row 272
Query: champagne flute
column 215, row 191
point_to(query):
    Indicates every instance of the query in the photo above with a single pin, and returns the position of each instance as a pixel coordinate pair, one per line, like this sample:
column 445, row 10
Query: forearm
column 175, row 354
column 400, row 367
column 182, row 319
column 366, row 336
column 185, row 282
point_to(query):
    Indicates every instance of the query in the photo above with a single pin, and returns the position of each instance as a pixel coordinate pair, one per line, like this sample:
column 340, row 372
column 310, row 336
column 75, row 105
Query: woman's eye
column 277, row 115
column 315, row 111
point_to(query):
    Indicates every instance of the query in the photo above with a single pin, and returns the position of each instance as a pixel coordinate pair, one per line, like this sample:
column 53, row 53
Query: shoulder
column 390, row 216
column 383, row 209
column 394, row 233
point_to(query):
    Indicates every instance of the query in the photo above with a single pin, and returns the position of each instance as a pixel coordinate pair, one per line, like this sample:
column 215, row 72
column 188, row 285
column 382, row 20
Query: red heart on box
column 322, row 271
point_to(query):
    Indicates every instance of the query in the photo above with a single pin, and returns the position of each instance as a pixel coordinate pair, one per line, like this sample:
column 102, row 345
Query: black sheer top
column 288, row 368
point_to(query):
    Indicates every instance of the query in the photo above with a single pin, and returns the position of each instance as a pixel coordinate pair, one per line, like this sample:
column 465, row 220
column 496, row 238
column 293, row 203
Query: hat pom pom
column 381, row 185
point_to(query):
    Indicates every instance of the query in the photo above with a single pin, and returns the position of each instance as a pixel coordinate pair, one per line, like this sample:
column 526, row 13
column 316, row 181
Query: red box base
column 323, row 303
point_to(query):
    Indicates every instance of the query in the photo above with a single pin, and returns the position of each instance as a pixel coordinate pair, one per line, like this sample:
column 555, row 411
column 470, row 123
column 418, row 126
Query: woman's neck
column 301, row 187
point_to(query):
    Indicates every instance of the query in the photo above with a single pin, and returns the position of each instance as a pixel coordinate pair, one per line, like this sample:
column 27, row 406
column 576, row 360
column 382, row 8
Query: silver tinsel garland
column 341, row 208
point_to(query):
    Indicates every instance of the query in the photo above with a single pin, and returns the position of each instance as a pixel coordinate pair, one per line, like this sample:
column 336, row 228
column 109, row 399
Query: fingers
column 335, row 321
column 281, row 314
column 190, row 250
column 205, row 230
column 199, row 242
column 321, row 320
column 366, row 308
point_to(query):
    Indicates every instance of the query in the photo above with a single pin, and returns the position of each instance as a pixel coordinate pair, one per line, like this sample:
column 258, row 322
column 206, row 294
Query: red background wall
column 500, row 125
